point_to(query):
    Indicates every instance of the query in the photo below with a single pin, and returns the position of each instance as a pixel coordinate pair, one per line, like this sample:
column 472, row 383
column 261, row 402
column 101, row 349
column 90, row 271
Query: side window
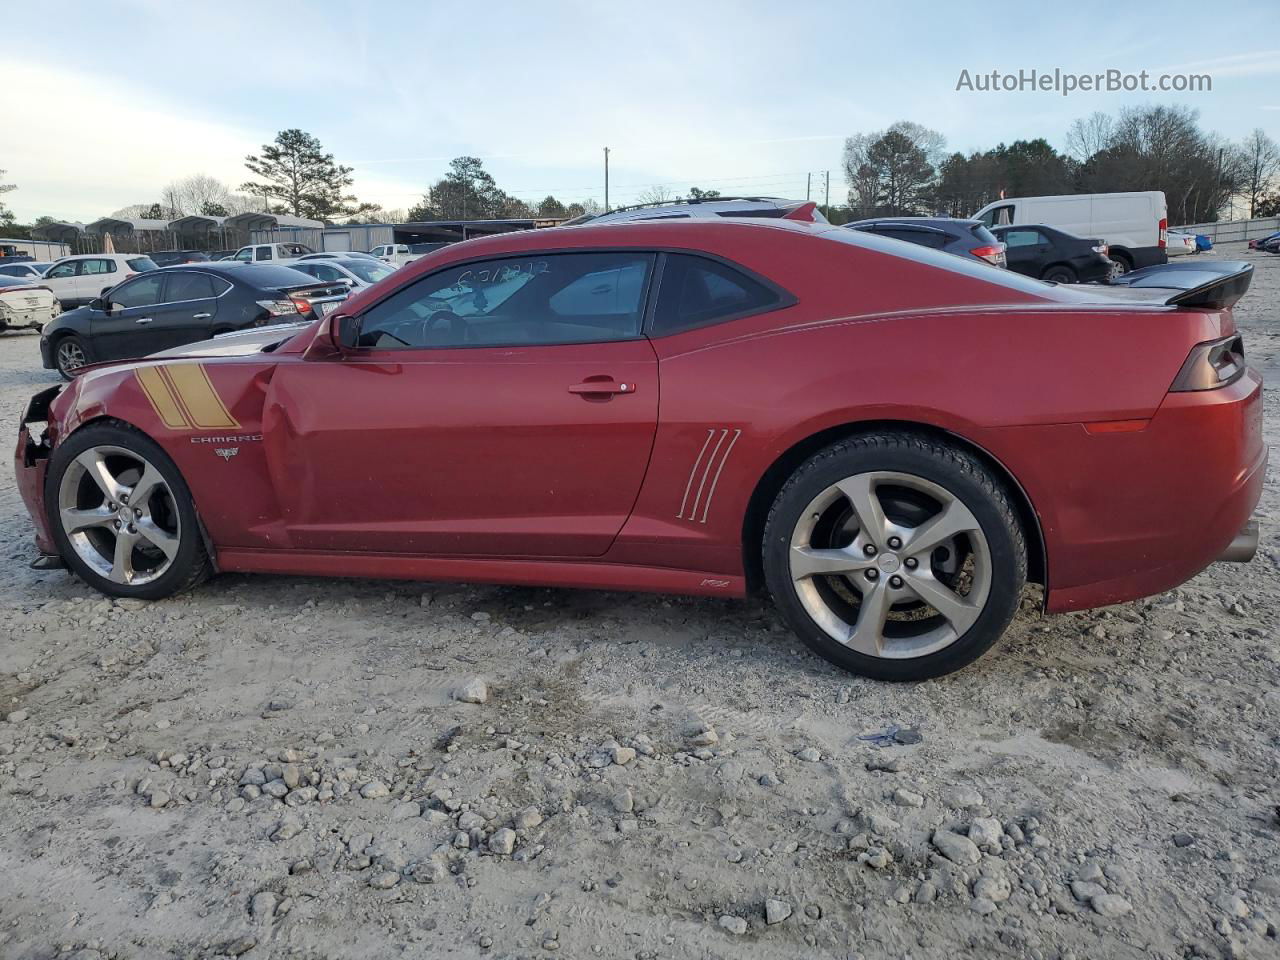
column 264, row 253
column 1022, row 238
column 535, row 300
column 924, row 238
column 142, row 292
column 244, row 255
column 697, row 291
column 62, row 270
column 189, row 286
column 95, row 267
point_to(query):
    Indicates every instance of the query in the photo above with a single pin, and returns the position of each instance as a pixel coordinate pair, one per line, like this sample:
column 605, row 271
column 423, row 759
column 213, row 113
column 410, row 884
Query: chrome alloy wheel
column 70, row 356
column 890, row 564
column 119, row 515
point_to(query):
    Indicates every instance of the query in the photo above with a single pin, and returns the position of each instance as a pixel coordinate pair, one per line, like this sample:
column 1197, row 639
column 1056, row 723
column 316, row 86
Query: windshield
column 141, row 264
column 370, row 271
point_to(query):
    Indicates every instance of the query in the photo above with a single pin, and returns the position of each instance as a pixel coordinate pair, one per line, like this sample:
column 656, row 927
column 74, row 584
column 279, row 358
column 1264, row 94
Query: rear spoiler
column 1216, row 284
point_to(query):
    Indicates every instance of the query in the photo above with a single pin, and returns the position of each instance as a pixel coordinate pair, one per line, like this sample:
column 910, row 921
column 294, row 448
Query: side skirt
column 541, row 573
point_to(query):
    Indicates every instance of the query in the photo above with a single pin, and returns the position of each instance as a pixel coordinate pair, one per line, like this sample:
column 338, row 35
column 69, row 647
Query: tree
column 213, row 208
column 656, row 194
column 1089, row 135
column 6, row 215
column 1260, row 160
column 551, row 208
column 696, row 194
column 468, row 192
column 302, row 177
column 156, row 212
column 892, row 172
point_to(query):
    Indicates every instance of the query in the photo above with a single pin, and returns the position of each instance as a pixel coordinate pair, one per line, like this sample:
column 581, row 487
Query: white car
column 1180, row 244
column 355, row 272
column 26, row 270
column 77, row 280
column 271, row 253
column 685, row 209
column 25, row 305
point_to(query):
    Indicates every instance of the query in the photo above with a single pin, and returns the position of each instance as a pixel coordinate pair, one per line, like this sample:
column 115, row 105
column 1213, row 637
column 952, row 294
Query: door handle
column 143, row 320
column 201, row 316
column 603, row 386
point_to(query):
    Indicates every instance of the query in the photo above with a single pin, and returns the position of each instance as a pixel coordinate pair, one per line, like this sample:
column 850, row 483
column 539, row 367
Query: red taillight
column 302, row 303
column 1164, row 233
column 992, row 253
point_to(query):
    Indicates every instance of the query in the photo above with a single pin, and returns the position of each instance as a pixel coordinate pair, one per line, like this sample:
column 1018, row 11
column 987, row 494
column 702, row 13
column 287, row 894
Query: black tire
column 1059, row 273
column 68, row 344
column 1122, row 261
column 191, row 563
column 965, row 478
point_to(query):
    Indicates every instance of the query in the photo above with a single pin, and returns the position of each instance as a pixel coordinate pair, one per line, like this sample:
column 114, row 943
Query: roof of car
column 965, row 221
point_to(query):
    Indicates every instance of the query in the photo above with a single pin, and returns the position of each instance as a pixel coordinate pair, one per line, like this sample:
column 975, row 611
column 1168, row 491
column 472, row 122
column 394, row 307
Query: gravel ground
column 292, row 768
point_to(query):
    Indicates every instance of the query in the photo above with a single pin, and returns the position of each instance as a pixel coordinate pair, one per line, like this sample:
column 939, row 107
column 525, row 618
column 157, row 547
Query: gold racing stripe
column 162, row 400
column 184, row 397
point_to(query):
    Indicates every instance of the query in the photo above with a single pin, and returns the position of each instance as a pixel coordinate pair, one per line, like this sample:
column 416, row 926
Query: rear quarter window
column 696, row 291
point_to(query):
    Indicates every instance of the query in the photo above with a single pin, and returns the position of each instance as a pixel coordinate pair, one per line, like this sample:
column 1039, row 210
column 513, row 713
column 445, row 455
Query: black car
column 966, row 238
column 168, row 258
column 179, row 305
column 1048, row 254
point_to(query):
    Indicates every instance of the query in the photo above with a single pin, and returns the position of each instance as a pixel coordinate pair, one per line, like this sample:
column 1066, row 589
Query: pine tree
column 302, row 177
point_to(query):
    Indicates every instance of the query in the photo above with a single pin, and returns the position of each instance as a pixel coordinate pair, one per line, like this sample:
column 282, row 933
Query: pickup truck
column 271, row 252
column 398, row 254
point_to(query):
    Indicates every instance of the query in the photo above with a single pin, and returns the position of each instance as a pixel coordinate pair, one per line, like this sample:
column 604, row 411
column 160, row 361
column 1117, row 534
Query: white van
column 1133, row 225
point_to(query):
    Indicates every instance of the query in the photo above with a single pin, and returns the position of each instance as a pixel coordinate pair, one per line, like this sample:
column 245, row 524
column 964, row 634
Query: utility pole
column 606, row 179
column 808, row 178
column 826, row 204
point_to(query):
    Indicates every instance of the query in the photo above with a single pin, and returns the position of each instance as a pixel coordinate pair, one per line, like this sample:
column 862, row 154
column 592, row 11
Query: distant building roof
column 122, row 226
column 59, row 232
column 270, row 221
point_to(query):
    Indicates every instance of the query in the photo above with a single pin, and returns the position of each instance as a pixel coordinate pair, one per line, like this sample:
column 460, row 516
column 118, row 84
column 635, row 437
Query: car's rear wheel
column 121, row 514
column 69, row 356
column 1060, row 273
column 895, row 556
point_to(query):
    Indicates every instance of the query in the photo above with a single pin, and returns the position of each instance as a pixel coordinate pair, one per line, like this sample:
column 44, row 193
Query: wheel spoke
column 953, row 607
column 74, row 519
column 96, row 466
column 812, row 562
column 147, row 484
column 122, row 563
column 166, row 542
column 868, row 633
column 866, row 505
column 952, row 520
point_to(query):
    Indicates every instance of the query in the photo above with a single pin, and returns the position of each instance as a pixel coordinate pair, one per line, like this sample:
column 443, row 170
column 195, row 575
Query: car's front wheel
column 895, row 556
column 1059, row 273
column 121, row 514
column 69, row 356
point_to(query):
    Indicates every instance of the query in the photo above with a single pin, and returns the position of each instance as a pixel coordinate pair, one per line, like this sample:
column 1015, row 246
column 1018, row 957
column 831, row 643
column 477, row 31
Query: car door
column 187, row 312
column 96, row 274
column 473, row 418
column 1025, row 250
column 61, row 279
column 122, row 328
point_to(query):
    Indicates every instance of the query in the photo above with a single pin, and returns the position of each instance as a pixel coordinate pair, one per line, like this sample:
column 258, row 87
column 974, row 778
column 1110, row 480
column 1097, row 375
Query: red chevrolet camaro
column 891, row 440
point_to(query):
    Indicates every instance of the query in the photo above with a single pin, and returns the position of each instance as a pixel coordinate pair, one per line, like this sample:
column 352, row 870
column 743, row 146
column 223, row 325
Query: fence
column 1238, row 230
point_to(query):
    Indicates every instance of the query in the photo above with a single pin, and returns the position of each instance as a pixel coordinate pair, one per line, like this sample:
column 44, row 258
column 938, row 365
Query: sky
column 104, row 104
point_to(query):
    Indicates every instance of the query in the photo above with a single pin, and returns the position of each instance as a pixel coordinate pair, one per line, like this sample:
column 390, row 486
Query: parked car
column 893, row 480
column 1258, row 242
column 765, row 207
column 397, row 254
column 340, row 255
column 966, row 238
column 1180, row 244
column 28, row 269
column 353, row 272
column 216, row 255
column 183, row 304
column 1055, row 255
column 25, row 305
column 167, row 258
column 271, row 252
column 1133, row 225
column 1271, row 246
column 1204, row 242
column 77, row 280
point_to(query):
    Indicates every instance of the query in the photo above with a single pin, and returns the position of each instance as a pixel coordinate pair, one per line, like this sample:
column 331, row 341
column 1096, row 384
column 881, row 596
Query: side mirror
column 335, row 338
column 97, row 303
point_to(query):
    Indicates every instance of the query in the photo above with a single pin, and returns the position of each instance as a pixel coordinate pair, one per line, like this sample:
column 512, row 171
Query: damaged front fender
column 31, row 462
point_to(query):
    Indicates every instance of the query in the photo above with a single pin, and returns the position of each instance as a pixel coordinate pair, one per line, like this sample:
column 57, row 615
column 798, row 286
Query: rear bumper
column 1130, row 514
